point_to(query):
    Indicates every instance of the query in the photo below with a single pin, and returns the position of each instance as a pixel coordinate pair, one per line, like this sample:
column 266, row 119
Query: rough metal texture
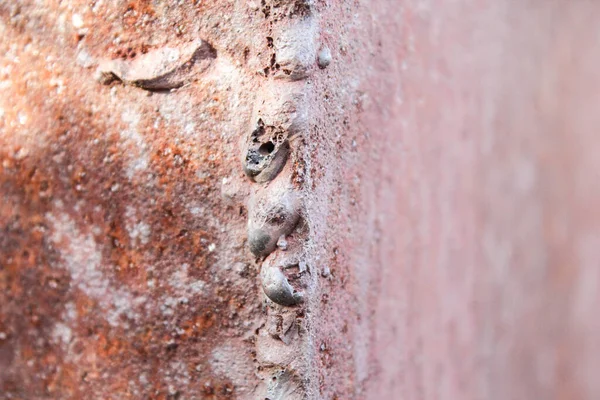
column 442, row 164
column 123, row 271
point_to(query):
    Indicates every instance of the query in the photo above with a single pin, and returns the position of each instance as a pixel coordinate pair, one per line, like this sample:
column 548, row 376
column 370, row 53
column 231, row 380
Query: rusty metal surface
column 438, row 177
column 122, row 266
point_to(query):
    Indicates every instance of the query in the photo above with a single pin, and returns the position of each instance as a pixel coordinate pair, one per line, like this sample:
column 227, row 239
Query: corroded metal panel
column 295, row 199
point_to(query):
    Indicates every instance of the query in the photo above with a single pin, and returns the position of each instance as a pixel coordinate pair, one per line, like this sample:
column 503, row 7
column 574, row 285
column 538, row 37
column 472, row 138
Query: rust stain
column 109, row 278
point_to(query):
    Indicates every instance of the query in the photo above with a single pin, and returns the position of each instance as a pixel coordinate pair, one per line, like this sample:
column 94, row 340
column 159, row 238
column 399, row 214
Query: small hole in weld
column 266, row 148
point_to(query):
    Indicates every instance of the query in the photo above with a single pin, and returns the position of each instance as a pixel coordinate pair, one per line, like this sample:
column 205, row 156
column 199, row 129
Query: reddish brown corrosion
column 113, row 279
column 448, row 172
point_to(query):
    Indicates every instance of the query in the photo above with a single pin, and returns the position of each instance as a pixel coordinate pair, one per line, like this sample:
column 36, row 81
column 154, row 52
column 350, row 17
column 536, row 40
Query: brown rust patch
column 113, row 275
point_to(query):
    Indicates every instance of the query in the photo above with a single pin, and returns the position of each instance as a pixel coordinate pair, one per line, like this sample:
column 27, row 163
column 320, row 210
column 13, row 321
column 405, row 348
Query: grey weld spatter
column 275, row 212
column 277, row 288
column 161, row 69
